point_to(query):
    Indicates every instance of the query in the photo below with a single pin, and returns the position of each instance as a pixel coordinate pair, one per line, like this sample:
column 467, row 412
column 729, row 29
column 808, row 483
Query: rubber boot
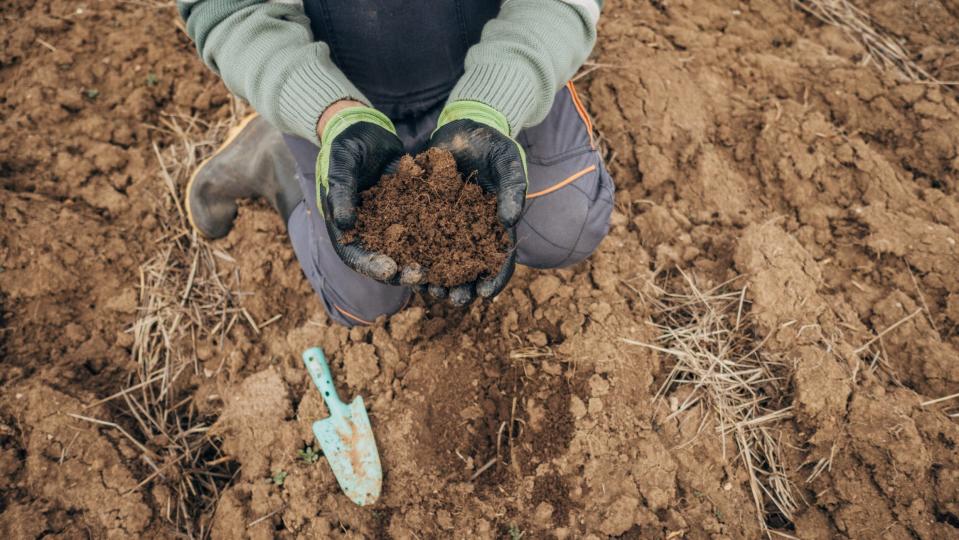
column 253, row 162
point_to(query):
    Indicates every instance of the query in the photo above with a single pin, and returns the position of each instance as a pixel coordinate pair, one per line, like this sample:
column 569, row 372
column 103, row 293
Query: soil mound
column 427, row 214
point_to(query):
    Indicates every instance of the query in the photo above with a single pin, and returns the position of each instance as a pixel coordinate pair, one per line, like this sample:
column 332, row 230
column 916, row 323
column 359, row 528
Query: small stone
column 444, row 519
column 571, row 325
column 74, row 332
column 543, row 514
column 595, row 406
column 599, row 311
column 471, row 412
column 538, row 338
column 361, row 365
column 598, row 386
column 544, row 287
column 124, row 339
column 552, row 368
column 204, row 351
column 358, row 334
column 576, row 407
column 404, row 323
column 125, row 302
column 618, row 516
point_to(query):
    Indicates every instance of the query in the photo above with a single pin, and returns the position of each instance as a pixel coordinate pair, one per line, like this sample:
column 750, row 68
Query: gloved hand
column 356, row 145
column 478, row 136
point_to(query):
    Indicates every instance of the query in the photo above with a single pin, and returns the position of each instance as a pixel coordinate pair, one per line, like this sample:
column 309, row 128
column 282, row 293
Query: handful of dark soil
column 427, row 214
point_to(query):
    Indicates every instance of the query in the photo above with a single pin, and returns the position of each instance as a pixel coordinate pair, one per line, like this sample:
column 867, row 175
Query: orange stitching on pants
column 350, row 315
column 559, row 185
column 582, row 112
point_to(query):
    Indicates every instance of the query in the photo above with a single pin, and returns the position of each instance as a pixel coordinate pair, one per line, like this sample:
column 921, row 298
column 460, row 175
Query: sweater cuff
column 501, row 86
column 310, row 88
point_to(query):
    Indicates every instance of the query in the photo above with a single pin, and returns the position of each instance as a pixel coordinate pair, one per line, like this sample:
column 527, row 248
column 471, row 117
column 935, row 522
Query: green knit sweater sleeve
column 526, row 54
column 265, row 53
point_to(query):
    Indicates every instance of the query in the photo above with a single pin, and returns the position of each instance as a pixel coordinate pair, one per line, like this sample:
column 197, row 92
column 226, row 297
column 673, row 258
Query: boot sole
column 230, row 137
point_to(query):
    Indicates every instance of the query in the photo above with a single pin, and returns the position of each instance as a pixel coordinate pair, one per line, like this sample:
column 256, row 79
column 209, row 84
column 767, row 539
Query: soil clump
column 427, row 214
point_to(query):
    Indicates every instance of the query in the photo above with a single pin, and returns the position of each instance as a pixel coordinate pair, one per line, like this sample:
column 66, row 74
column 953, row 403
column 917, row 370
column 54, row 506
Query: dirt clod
column 427, row 214
column 551, row 488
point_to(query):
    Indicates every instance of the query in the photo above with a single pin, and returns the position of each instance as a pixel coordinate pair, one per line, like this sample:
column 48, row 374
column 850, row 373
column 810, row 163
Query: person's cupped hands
column 479, row 138
column 357, row 144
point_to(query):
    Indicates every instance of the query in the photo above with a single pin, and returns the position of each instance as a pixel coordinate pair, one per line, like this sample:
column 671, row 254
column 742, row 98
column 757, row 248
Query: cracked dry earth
column 745, row 139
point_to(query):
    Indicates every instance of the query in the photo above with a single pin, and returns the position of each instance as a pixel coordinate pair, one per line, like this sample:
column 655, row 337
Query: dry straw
column 882, row 48
column 717, row 357
column 184, row 297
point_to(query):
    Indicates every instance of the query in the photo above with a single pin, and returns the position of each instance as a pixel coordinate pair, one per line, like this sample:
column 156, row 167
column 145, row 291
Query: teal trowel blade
column 346, row 437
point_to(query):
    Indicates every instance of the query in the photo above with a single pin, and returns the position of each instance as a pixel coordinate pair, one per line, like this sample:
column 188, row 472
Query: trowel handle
column 320, row 373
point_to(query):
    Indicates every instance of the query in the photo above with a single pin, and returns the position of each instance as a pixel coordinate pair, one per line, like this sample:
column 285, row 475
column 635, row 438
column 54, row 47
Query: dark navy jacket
column 404, row 55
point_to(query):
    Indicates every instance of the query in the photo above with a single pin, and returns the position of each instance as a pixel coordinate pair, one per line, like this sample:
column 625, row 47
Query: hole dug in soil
column 426, row 214
column 494, row 426
column 513, row 421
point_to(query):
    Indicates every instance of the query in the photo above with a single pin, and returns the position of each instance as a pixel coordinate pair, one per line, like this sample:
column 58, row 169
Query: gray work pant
column 569, row 201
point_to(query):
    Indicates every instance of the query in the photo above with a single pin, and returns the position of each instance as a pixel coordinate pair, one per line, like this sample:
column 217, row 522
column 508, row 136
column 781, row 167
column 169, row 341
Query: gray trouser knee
column 565, row 221
column 570, row 195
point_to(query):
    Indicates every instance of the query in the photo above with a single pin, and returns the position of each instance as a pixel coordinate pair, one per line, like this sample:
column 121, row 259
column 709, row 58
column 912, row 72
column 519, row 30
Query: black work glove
column 356, row 146
column 478, row 136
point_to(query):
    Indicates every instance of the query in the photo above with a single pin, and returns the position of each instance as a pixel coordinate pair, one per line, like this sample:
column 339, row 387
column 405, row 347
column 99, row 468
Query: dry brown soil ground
column 746, row 139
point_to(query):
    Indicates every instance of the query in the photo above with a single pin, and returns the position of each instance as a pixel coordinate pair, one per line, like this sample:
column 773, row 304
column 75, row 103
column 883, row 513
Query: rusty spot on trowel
column 350, row 440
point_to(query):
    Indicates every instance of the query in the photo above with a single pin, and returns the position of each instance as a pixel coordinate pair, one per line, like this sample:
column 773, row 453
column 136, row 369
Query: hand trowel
column 346, row 436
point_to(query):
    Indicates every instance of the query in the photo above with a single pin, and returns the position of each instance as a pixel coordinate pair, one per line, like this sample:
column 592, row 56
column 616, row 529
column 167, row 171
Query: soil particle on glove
column 427, row 214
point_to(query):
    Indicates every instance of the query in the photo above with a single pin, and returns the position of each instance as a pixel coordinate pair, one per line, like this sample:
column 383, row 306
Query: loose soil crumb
column 427, row 214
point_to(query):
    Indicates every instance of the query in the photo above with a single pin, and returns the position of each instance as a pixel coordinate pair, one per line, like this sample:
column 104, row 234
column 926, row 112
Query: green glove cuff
column 334, row 127
column 481, row 113
column 475, row 111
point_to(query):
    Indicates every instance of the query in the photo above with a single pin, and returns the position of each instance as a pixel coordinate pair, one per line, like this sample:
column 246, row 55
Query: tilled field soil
column 747, row 141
